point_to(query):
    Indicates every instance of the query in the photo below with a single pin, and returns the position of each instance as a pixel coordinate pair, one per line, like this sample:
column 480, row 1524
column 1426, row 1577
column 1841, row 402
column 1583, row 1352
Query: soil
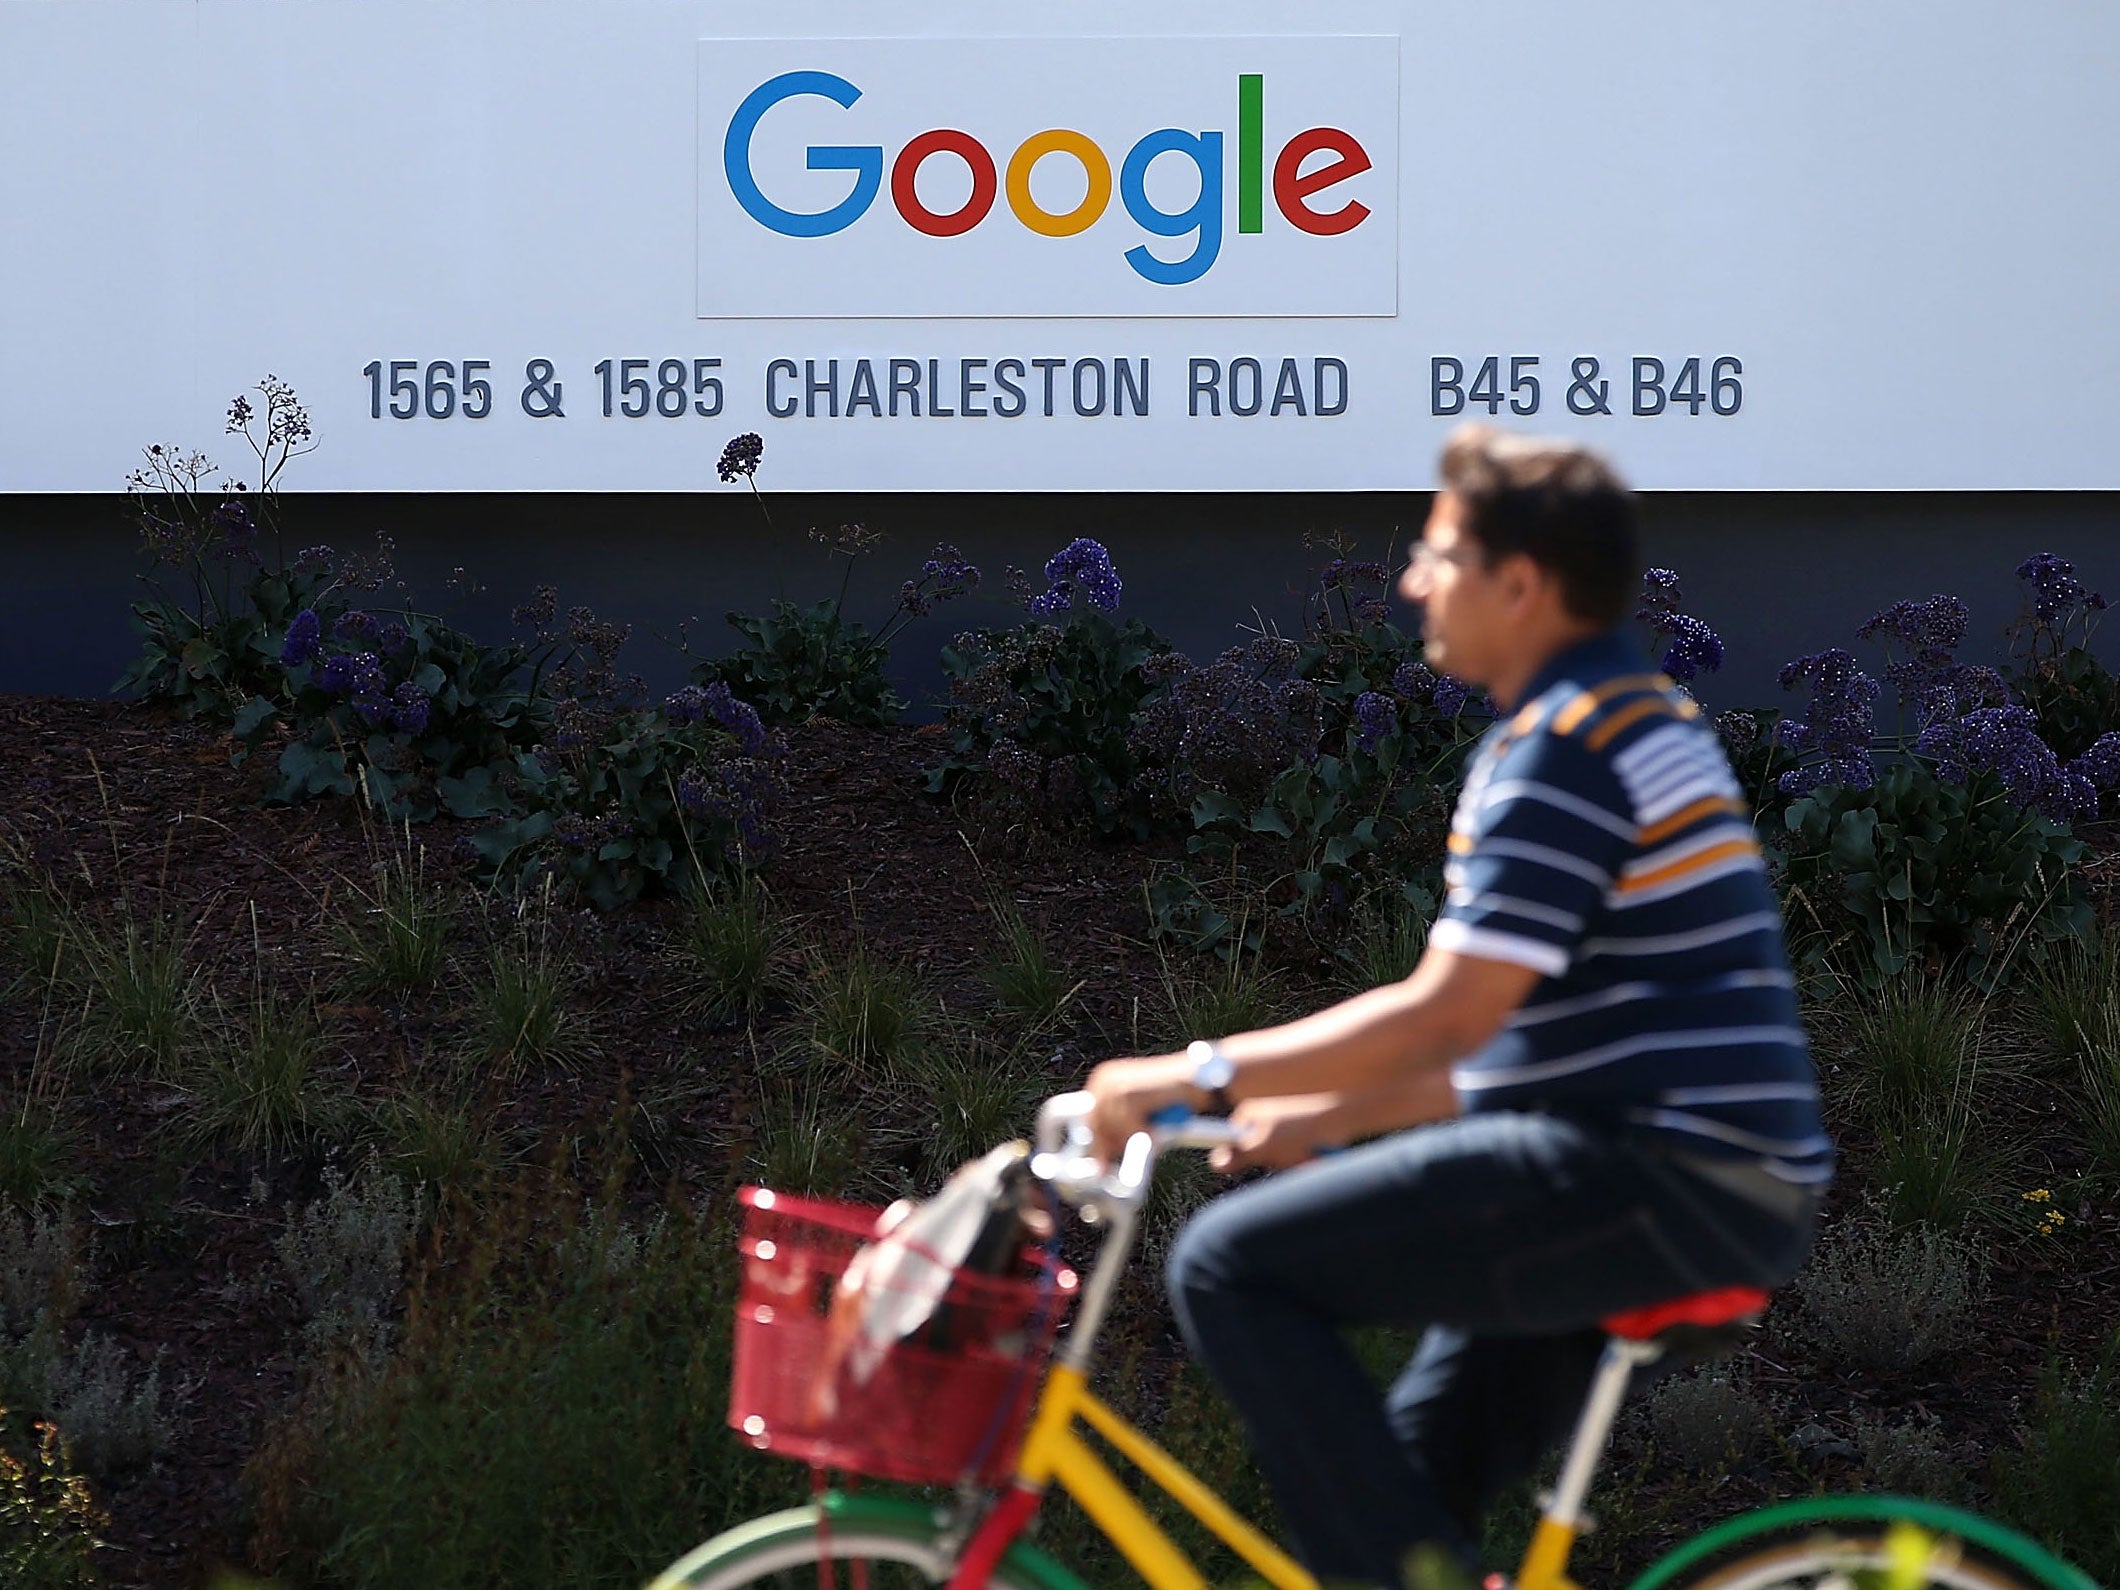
column 122, row 798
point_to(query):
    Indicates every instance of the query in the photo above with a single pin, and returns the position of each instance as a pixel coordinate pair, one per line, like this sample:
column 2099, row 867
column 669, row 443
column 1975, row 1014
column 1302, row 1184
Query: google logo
column 1294, row 188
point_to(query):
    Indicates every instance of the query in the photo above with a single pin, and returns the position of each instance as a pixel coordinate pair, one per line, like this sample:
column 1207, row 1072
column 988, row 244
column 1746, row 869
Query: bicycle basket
column 946, row 1403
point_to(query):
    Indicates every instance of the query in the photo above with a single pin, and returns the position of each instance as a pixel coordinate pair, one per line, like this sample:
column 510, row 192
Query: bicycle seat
column 1701, row 1325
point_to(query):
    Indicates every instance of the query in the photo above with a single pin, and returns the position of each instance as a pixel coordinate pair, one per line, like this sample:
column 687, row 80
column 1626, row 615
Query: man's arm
column 1278, row 1132
column 1450, row 1006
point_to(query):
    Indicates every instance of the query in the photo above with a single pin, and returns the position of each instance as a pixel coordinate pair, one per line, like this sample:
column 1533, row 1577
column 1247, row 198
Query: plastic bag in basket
column 897, row 1283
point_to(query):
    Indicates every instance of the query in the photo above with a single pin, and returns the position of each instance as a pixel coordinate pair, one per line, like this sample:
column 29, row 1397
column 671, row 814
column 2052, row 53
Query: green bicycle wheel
column 848, row 1543
column 1862, row 1543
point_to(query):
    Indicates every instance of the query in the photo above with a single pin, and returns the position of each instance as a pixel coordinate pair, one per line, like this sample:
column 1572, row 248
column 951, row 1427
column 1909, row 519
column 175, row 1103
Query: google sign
column 1294, row 188
column 956, row 177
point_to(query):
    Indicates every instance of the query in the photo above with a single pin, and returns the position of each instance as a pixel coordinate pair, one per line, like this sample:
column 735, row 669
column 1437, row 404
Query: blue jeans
column 1508, row 1236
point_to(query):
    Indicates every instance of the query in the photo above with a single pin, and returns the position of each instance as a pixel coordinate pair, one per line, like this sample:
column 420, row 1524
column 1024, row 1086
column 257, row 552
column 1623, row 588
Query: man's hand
column 1128, row 1092
column 1277, row 1133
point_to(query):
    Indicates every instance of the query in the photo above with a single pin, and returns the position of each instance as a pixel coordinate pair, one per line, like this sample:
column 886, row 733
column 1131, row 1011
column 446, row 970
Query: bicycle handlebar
column 1063, row 1158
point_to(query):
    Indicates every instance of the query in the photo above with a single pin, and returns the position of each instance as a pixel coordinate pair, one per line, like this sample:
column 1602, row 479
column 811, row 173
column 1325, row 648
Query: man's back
column 1602, row 841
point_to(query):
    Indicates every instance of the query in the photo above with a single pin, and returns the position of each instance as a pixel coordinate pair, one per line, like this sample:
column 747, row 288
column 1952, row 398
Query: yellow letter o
column 1059, row 141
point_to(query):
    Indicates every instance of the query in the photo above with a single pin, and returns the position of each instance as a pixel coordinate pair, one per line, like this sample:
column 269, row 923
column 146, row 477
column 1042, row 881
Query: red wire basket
column 947, row 1403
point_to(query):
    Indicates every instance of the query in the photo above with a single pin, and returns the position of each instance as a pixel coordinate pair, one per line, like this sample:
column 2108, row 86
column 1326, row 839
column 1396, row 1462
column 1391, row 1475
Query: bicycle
column 962, row 1411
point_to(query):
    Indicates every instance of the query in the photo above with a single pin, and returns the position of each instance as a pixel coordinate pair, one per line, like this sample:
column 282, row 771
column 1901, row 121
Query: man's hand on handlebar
column 1128, row 1092
column 1273, row 1134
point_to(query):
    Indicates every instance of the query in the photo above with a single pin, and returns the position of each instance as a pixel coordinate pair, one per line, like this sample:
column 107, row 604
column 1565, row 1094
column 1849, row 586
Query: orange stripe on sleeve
column 1678, row 869
column 1570, row 717
column 1648, row 707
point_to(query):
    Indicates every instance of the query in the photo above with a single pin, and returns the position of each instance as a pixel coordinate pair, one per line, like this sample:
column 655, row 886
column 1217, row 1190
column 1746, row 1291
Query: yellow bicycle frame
column 1053, row 1450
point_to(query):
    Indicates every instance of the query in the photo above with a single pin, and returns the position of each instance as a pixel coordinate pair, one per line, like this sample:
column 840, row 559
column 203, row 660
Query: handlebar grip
column 1171, row 1115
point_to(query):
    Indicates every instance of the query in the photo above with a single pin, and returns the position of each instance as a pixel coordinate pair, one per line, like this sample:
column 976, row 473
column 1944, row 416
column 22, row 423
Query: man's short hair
column 1559, row 504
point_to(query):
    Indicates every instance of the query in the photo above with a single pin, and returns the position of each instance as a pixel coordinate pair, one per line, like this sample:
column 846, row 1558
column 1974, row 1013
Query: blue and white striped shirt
column 1601, row 840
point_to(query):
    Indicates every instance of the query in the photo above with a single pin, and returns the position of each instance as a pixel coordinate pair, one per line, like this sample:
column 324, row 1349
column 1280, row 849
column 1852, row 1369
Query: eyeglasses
column 1425, row 557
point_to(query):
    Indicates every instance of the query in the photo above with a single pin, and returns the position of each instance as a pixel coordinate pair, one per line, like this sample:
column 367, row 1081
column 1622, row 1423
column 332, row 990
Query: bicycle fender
column 893, row 1515
column 2028, row 1554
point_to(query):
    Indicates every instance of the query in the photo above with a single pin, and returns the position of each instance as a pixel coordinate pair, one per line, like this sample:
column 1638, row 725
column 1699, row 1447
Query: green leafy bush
column 1322, row 770
column 1915, row 867
column 640, row 799
column 1041, row 717
column 423, row 715
column 809, row 662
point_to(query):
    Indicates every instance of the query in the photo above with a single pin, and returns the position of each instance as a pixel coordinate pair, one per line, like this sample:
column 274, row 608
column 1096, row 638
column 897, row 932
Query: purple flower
column 305, row 638
column 1837, row 727
column 1234, row 724
column 235, row 530
column 2055, row 590
column 357, row 674
column 1958, row 689
column 374, row 709
column 737, row 792
column 945, row 576
column 353, row 624
column 1084, row 567
column 1450, row 695
column 687, row 705
column 2005, row 741
column 2101, row 763
column 740, row 718
column 393, row 638
column 1928, row 633
column 739, row 460
column 410, row 707
column 1694, row 648
column 315, row 560
column 1738, row 731
column 697, row 703
column 1413, row 680
column 1374, row 717
column 1341, row 573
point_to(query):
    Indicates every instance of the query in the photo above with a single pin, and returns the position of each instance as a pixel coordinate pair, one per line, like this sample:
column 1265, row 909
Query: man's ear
column 1520, row 578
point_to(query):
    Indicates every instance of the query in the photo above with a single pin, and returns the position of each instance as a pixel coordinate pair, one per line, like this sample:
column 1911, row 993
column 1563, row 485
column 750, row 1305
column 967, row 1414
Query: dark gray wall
column 1776, row 575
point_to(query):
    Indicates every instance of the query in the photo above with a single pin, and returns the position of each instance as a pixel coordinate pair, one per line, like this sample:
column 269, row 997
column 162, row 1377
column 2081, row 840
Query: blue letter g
column 866, row 162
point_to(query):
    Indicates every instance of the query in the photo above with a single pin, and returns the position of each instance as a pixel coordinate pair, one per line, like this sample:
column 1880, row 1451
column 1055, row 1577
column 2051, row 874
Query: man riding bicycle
column 1600, row 1051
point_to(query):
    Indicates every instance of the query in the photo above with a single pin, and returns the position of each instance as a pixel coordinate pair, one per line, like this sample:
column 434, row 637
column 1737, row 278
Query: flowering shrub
column 1325, row 767
column 1363, row 812
column 1691, row 648
column 1041, row 716
column 1914, row 865
column 1833, row 738
column 424, row 715
column 209, row 648
column 814, row 662
column 625, row 802
column 2075, row 698
column 1947, row 839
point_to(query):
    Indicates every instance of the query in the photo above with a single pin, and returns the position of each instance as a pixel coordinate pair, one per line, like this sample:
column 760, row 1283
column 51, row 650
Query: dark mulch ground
column 125, row 799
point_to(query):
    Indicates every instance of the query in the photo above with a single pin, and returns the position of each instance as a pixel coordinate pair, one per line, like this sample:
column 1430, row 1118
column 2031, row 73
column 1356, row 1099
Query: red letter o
column 965, row 147
column 1291, row 188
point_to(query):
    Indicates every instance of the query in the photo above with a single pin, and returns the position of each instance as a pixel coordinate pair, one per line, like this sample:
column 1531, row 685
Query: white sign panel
column 576, row 245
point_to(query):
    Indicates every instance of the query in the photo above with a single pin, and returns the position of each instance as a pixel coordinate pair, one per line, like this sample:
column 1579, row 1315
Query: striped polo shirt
column 1601, row 840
